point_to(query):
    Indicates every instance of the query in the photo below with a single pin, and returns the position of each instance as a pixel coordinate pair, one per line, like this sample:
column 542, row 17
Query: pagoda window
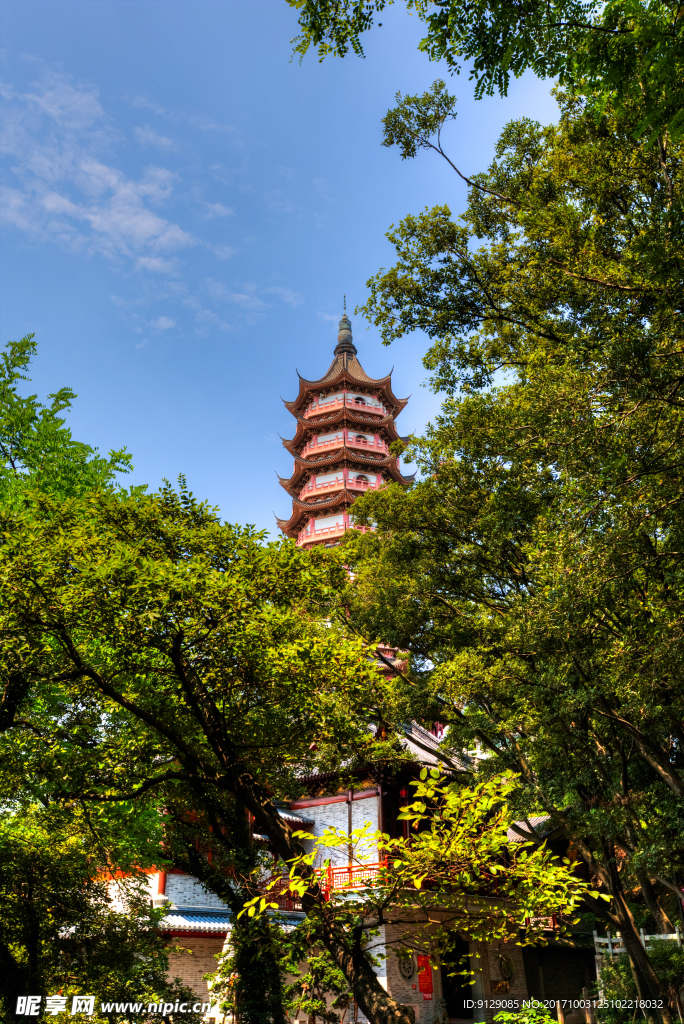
column 322, row 438
column 326, row 478
column 328, row 522
column 361, row 479
column 369, row 438
column 364, row 400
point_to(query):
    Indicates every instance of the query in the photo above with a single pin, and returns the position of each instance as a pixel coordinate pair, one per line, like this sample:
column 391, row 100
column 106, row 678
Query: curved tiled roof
column 180, row 919
column 345, row 369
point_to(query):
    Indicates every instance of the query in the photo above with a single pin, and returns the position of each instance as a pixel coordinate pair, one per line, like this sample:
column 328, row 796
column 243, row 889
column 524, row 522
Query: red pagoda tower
column 345, row 424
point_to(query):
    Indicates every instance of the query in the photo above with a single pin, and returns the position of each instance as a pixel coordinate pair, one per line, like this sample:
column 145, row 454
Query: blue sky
column 183, row 208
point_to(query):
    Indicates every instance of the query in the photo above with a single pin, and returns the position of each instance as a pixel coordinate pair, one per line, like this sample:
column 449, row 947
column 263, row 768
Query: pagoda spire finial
column 344, row 336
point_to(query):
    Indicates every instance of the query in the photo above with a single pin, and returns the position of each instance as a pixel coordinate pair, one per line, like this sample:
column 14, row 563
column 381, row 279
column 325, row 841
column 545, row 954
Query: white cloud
column 63, row 190
column 223, row 252
column 162, row 323
column 218, row 210
column 321, row 186
column 286, row 294
column 246, row 297
column 147, row 136
column 330, row 317
column 157, row 264
column 188, row 115
column 143, row 103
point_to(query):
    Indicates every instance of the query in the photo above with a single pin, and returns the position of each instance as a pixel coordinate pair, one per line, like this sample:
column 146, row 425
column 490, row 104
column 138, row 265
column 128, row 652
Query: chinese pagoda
column 345, row 425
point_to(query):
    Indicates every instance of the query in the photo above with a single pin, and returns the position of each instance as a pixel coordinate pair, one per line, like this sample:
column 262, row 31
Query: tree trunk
column 260, row 990
column 662, row 921
column 646, row 979
column 368, row 993
column 375, row 1002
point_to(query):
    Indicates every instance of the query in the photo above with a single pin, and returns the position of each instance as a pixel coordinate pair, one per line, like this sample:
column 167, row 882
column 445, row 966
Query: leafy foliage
column 618, row 982
column 535, row 571
column 622, row 52
column 529, row 1015
column 457, row 872
column 157, row 657
column 37, row 450
column 63, row 929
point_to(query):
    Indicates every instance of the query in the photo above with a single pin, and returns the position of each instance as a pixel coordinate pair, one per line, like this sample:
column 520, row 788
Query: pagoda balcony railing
column 307, row 536
column 317, row 407
column 328, row 533
column 337, row 484
column 351, row 442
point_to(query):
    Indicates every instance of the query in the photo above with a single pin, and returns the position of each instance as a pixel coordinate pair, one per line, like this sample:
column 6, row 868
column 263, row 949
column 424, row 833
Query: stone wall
column 495, row 985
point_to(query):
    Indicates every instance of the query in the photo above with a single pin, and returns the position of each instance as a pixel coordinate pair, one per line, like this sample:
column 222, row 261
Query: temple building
column 345, row 425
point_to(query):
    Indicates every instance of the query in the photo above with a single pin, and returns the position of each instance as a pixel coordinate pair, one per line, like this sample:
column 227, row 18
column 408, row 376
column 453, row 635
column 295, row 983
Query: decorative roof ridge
column 335, row 499
column 379, row 421
column 342, row 372
column 372, row 461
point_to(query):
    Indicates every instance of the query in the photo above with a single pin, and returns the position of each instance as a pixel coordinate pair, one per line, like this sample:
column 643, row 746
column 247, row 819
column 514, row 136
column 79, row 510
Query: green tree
column 153, row 653
column 315, row 986
column 63, row 930
column 37, row 450
column 618, row 983
column 623, row 52
column 535, row 571
column 457, row 872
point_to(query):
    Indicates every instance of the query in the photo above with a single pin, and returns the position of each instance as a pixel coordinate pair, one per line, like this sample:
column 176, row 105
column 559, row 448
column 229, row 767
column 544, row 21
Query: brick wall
column 517, row 987
column 197, row 959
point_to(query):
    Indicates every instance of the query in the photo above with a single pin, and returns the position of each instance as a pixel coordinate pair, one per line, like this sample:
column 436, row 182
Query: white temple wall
column 184, row 891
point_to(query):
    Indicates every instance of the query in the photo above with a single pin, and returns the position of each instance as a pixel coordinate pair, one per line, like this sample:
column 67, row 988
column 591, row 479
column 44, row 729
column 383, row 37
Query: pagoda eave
column 345, row 370
column 343, row 454
column 341, row 497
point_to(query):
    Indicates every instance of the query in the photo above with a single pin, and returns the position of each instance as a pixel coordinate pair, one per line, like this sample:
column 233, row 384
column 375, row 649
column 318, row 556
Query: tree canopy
column 37, row 450
column 535, row 570
column 623, row 51
column 158, row 657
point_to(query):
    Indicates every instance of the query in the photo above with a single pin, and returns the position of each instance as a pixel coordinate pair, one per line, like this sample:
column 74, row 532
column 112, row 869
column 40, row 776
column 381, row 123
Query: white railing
column 612, row 945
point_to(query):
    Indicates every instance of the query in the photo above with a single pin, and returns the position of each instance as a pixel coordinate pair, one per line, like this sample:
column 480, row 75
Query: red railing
column 337, row 531
column 329, row 531
column 327, row 486
column 351, row 876
column 348, row 876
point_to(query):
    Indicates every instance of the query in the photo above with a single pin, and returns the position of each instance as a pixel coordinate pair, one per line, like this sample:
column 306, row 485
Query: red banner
column 425, row 976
